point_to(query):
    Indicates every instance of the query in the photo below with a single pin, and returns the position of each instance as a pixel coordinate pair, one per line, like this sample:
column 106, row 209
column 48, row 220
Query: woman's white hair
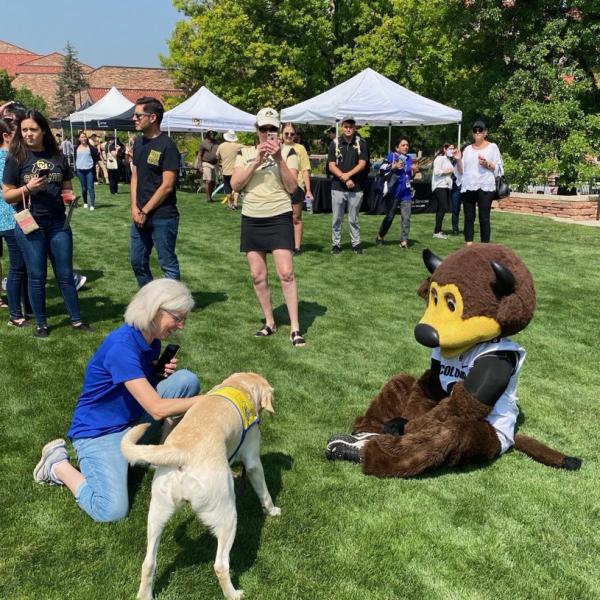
column 169, row 294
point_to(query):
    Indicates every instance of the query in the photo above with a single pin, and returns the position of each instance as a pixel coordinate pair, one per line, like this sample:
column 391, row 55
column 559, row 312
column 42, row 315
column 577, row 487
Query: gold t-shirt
column 303, row 161
column 226, row 153
column 264, row 195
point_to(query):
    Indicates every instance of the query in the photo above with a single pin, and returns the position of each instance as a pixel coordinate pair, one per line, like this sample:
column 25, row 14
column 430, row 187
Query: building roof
column 10, row 61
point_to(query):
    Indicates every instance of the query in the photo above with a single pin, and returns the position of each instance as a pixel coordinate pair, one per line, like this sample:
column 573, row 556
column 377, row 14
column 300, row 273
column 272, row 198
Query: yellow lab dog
column 193, row 466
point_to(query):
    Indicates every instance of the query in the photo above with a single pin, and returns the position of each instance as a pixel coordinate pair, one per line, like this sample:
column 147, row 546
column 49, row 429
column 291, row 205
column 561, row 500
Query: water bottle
column 308, row 201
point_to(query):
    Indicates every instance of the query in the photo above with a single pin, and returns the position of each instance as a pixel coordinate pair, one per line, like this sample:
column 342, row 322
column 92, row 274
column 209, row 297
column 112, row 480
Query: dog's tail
column 155, row 455
column 544, row 454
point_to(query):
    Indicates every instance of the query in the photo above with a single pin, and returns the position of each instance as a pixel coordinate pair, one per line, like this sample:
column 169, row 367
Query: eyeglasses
column 179, row 320
column 267, row 128
column 8, row 119
column 140, row 115
column 477, row 130
column 289, row 134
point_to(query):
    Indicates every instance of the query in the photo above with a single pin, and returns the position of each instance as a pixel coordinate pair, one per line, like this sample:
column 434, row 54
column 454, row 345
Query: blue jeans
column 52, row 241
column 86, row 179
column 16, row 281
column 103, row 494
column 455, row 197
column 158, row 233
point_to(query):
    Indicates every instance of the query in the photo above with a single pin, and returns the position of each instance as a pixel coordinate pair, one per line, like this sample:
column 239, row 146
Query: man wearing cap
column 347, row 160
column 226, row 153
column 207, row 161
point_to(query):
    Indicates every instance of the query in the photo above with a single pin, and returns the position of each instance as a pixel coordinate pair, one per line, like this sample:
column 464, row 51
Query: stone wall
column 578, row 208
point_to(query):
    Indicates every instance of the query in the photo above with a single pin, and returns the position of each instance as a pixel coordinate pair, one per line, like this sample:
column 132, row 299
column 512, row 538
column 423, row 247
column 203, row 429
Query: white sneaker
column 92, row 208
column 440, row 235
column 79, row 280
column 4, row 283
column 84, row 205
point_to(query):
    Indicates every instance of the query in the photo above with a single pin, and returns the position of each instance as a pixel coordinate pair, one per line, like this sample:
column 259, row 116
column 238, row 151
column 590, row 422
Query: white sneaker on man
column 92, row 208
column 85, row 205
column 440, row 235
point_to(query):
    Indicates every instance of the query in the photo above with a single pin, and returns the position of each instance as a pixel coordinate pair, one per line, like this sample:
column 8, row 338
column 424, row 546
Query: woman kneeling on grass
column 120, row 390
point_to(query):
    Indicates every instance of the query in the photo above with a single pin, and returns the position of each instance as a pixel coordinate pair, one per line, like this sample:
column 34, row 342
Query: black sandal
column 297, row 339
column 265, row 331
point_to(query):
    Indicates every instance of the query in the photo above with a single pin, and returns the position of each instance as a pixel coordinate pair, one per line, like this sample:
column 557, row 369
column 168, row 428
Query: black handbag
column 502, row 189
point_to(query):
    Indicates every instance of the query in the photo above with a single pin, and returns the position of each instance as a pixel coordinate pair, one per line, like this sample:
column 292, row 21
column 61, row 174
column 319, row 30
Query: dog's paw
column 273, row 512
column 237, row 595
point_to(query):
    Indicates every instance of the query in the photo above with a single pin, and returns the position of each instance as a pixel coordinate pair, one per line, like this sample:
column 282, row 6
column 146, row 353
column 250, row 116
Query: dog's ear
column 266, row 398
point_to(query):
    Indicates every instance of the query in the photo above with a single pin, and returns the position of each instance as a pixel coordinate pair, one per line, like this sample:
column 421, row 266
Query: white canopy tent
column 204, row 111
column 113, row 103
column 371, row 99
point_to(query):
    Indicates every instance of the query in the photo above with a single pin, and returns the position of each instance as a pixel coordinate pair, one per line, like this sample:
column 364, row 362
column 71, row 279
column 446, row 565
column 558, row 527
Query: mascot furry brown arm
column 464, row 407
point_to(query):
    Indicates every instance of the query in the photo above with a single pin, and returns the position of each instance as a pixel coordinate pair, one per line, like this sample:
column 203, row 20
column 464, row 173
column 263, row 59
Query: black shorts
column 227, row 185
column 267, row 234
column 298, row 196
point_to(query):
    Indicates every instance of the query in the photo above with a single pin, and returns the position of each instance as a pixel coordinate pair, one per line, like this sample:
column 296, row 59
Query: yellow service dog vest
column 244, row 407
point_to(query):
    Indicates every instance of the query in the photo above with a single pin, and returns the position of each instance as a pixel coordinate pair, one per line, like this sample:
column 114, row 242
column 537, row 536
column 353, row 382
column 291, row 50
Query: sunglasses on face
column 289, row 134
column 267, row 128
column 140, row 115
column 477, row 130
column 8, row 119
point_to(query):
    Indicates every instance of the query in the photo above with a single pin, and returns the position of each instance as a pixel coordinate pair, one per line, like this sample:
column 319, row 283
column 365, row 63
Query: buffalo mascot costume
column 464, row 407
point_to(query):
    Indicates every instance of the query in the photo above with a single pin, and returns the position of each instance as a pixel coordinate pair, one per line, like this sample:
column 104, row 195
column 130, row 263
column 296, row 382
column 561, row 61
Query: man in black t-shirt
column 347, row 160
column 153, row 201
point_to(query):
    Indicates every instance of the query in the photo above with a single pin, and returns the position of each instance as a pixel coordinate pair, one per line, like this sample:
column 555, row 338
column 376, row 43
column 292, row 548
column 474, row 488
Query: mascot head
column 476, row 294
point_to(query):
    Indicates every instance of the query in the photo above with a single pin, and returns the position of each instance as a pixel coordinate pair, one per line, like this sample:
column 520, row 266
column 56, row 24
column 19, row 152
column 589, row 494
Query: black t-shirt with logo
column 347, row 158
column 151, row 158
column 47, row 202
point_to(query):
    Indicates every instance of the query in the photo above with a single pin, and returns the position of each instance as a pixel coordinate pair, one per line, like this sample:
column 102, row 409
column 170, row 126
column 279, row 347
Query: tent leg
column 459, row 130
column 389, row 138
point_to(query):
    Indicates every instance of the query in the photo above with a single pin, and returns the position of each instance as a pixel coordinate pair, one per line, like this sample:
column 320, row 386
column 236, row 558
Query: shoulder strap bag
column 24, row 218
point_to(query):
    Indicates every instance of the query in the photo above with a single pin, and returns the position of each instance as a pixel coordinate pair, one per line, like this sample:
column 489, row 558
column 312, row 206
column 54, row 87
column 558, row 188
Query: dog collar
column 244, row 407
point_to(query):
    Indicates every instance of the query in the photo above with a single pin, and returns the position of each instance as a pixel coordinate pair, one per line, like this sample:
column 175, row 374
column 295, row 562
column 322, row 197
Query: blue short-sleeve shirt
column 105, row 405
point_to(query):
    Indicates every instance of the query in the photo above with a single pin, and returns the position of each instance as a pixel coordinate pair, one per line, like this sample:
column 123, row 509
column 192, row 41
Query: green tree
column 6, row 90
column 71, row 81
column 26, row 97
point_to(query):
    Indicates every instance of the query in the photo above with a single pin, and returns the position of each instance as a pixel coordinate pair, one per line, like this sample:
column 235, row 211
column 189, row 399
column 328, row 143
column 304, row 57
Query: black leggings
column 442, row 199
column 483, row 200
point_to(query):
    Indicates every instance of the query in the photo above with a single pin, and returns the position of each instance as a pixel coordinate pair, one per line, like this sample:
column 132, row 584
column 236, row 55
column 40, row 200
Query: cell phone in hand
column 43, row 172
column 165, row 358
column 271, row 136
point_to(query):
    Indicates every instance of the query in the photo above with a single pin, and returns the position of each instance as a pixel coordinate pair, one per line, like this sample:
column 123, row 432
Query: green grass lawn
column 511, row 529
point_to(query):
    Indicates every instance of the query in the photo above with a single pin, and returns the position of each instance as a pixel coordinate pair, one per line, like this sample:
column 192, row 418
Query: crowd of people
column 122, row 385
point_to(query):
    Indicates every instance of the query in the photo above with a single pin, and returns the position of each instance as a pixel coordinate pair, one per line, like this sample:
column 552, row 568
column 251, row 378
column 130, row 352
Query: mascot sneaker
column 346, row 447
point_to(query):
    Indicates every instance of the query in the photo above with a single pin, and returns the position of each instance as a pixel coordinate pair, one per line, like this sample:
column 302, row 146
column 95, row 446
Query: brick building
column 40, row 73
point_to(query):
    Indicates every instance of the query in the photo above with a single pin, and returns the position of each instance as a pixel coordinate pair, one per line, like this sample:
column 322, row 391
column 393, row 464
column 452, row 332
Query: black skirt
column 267, row 234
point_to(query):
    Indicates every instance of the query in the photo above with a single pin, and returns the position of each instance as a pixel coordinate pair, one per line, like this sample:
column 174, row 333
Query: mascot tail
column 155, row 455
column 543, row 454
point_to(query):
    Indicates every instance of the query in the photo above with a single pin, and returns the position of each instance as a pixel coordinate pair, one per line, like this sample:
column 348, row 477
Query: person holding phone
column 121, row 388
column 441, row 186
column 268, row 180
column 481, row 163
column 37, row 174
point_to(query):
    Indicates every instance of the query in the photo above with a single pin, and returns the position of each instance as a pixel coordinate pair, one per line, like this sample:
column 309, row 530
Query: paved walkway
column 589, row 223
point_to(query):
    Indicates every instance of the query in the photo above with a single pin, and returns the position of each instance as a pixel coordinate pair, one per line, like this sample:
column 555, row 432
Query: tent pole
column 389, row 138
column 458, row 143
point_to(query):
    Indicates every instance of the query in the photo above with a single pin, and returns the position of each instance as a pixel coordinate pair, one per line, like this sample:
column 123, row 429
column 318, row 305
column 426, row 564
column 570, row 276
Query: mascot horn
column 464, row 407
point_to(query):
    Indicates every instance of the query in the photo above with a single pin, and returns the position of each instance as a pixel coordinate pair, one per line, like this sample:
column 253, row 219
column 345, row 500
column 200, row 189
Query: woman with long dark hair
column 441, row 186
column 37, row 175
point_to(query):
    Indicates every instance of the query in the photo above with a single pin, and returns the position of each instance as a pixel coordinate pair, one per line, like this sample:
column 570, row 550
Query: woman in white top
column 441, row 186
column 481, row 163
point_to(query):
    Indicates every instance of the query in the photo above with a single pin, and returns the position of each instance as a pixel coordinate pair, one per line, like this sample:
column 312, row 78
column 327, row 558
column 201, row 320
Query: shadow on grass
column 195, row 551
column 308, row 312
column 93, row 309
column 204, row 299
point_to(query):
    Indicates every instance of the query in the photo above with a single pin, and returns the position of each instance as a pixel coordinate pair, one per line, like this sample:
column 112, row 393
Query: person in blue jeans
column 36, row 176
column 154, row 213
column 121, row 389
column 16, row 281
column 398, row 172
column 86, row 157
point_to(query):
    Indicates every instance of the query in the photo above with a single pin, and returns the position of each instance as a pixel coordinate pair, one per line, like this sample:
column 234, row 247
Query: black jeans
column 113, row 180
column 442, row 198
column 483, row 201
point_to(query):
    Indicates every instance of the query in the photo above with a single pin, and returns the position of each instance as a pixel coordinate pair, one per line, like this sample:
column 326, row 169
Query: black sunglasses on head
column 267, row 128
column 478, row 130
